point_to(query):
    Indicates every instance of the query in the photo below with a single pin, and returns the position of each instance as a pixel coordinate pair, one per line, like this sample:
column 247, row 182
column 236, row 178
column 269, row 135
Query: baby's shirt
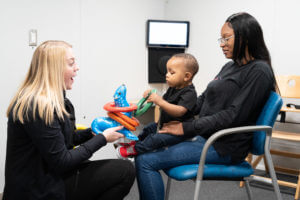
column 186, row 97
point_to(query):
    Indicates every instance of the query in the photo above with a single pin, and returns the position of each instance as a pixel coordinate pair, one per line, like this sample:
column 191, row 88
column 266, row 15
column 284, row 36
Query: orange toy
column 133, row 121
column 111, row 107
column 127, row 122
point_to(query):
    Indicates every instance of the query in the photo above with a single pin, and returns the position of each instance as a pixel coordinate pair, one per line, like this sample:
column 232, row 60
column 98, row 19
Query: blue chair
column 243, row 171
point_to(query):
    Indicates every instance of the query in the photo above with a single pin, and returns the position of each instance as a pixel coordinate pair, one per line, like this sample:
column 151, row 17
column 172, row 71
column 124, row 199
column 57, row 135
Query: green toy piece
column 143, row 108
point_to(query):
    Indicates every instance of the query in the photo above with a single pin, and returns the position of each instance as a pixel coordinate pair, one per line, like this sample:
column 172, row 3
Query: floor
column 213, row 190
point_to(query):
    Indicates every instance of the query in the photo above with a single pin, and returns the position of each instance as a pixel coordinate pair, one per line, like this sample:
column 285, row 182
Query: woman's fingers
column 112, row 134
column 117, row 128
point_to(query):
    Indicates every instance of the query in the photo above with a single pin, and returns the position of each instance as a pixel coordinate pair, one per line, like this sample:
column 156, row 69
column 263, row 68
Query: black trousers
column 101, row 179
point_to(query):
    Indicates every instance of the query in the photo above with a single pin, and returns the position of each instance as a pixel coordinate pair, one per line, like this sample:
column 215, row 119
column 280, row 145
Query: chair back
column 267, row 117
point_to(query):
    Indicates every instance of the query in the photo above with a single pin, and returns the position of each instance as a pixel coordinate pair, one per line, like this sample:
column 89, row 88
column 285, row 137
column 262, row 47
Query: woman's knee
column 126, row 169
column 130, row 170
column 139, row 160
column 144, row 161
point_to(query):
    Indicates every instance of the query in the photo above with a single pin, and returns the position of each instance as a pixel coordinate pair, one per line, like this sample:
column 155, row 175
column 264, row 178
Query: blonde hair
column 42, row 90
column 191, row 64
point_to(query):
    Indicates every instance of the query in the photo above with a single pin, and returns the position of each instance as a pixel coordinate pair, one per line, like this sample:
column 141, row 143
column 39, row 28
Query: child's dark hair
column 191, row 63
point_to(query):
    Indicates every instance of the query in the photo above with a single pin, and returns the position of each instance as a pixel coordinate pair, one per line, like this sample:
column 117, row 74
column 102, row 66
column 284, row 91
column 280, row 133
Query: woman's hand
column 112, row 135
column 173, row 128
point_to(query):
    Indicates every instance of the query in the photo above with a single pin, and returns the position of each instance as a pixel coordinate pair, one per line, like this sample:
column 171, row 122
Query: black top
column 38, row 156
column 186, row 97
column 234, row 98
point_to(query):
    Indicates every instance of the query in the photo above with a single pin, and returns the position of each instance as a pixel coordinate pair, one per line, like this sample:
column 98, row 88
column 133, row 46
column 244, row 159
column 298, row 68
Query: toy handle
column 141, row 108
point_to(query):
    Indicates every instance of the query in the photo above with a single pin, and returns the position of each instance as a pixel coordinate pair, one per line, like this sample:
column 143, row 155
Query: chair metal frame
column 237, row 130
column 229, row 131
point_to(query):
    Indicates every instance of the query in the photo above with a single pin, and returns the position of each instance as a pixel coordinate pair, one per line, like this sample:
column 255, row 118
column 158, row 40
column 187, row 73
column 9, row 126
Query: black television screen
column 165, row 33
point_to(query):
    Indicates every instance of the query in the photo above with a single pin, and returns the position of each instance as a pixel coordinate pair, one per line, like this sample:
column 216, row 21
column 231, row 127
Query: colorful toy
column 141, row 109
column 120, row 113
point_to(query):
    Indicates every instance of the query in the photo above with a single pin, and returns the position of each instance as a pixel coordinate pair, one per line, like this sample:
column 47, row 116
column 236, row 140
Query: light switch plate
column 32, row 37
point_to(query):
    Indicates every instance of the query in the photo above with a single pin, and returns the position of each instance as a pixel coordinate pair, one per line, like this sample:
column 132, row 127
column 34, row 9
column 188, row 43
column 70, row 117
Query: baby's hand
column 155, row 98
column 146, row 93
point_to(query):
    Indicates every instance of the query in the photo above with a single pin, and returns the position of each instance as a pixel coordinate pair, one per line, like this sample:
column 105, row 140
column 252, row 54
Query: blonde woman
column 41, row 162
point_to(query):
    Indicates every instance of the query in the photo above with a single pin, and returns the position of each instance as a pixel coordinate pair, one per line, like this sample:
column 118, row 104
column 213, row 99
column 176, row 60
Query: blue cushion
column 185, row 172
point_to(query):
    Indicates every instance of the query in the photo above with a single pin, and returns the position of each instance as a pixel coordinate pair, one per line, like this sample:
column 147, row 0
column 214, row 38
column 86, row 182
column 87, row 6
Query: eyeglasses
column 224, row 40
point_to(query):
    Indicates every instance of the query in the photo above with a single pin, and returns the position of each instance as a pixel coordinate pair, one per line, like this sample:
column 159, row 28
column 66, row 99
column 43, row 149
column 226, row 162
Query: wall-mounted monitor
column 165, row 33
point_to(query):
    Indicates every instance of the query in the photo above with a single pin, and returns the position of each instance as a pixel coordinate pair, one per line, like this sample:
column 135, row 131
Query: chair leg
column 168, row 188
column 197, row 189
column 297, row 194
column 282, row 116
column 257, row 160
column 249, row 160
column 254, row 165
column 242, row 184
column 266, row 164
column 270, row 167
column 248, row 189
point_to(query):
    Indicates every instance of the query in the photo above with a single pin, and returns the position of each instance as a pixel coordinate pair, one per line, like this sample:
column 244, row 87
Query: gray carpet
column 213, row 190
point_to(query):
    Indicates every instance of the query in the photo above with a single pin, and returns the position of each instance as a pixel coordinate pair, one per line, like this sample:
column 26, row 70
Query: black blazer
column 38, row 156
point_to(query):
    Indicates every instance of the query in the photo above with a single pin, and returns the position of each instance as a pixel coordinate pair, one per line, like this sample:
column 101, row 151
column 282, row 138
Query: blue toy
column 101, row 123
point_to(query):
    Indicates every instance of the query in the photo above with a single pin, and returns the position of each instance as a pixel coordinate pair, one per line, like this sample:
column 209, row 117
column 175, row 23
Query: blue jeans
column 150, row 140
column 149, row 179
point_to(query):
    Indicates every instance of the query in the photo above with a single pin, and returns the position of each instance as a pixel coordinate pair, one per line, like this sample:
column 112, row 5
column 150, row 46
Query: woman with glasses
column 234, row 97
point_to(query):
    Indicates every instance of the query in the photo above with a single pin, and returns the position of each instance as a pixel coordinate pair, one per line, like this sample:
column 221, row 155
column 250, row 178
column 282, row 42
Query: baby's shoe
column 126, row 151
column 122, row 142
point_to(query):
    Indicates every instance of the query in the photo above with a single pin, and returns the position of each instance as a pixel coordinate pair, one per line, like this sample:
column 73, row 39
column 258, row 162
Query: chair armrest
column 221, row 133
